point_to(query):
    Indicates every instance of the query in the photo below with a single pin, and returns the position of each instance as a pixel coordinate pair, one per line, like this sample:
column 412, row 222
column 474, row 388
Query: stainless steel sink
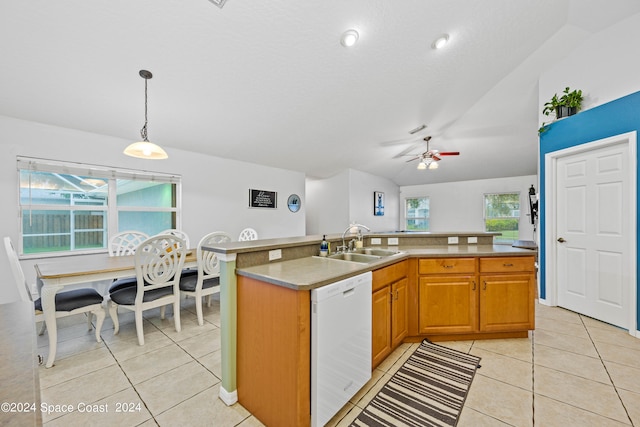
column 377, row 251
column 355, row 257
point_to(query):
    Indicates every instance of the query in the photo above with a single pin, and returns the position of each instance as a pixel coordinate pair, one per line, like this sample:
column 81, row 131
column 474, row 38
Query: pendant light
column 145, row 149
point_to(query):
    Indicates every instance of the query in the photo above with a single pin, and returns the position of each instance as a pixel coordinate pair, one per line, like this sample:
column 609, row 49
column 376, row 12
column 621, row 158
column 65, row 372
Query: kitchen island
column 429, row 289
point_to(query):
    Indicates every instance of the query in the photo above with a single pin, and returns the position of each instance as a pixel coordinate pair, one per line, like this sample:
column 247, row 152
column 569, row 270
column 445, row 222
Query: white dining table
column 53, row 275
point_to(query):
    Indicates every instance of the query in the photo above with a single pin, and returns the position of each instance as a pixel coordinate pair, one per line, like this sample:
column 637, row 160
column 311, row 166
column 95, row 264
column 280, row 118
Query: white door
column 593, row 238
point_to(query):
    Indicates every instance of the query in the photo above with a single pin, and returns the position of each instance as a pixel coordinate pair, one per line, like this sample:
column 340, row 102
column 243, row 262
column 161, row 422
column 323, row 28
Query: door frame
column 551, row 257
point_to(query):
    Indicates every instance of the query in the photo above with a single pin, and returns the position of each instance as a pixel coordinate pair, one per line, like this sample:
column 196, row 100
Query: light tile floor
column 571, row 371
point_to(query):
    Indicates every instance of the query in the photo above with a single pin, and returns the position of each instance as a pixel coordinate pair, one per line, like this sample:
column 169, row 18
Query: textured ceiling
column 269, row 82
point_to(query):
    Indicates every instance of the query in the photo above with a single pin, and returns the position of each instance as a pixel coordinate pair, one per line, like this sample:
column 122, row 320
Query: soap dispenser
column 359, row 241
column 324, row 246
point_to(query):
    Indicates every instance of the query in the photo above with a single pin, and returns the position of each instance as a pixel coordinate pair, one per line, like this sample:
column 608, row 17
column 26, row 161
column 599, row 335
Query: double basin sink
column 364, row 255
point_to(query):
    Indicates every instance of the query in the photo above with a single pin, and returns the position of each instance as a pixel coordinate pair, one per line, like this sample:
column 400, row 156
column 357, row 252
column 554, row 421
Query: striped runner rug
column 428, row 390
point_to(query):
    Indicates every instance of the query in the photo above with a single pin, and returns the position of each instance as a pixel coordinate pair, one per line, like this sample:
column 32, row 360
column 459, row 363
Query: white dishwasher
column 340, row 344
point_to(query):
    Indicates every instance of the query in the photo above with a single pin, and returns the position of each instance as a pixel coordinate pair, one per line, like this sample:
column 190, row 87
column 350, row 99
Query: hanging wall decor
column 263, row 199
column 378, row 203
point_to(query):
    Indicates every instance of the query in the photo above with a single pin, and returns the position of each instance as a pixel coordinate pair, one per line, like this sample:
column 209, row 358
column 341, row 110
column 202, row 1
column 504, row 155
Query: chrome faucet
column 344, row 233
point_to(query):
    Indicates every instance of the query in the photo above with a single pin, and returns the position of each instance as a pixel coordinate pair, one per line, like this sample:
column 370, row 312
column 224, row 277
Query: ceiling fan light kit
column 145, row 149
column 430, row 158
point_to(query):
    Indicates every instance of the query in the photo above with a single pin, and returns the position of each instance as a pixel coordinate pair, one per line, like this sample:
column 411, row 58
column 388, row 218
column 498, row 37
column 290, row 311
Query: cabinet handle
column 485, row 286
column 447, row 266
column 507, row 265
column 397, row 295
column 474, row 286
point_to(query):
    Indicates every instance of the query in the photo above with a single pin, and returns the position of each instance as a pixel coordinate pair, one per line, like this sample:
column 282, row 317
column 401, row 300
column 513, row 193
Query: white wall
column 347, row 197
column 215, row 191
column 459, row 206
column 327, row 204
column 362, row 186
column 604, row 67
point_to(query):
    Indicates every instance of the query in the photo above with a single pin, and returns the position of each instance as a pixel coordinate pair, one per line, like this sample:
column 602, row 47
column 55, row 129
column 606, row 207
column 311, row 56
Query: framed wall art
column 378, row 203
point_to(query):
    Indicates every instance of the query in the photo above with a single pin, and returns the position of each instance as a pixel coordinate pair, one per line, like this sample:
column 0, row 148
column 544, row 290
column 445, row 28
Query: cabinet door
column 447, row 304
column 381, row 325
column 399, row 311
column 507, row 302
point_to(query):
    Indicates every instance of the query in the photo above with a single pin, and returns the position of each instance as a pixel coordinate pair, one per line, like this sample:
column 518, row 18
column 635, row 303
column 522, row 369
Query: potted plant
column 566, row 105
column 562, row 106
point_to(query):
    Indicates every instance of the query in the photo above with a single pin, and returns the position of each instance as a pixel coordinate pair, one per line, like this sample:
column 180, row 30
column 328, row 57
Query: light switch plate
column 275, row 254
column 392, row 241
column 453, row 240
column 472, row 240
column 376, row 241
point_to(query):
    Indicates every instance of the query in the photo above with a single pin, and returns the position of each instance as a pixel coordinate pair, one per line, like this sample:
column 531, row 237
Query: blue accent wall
column 613, row 118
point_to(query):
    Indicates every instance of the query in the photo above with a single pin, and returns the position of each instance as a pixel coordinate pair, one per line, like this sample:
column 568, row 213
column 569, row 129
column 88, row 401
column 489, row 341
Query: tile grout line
column 533, row 378
column 607, row 371
column 129, row 379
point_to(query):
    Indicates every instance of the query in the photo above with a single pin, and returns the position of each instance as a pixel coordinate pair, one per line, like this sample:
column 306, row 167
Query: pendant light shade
column 145, row 149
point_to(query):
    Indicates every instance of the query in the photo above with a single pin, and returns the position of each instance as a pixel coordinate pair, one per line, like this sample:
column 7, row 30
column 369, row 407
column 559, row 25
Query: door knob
column 561, row 240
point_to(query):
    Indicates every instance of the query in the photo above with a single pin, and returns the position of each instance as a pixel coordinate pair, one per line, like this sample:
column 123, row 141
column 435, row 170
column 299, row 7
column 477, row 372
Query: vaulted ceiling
column 268, row 82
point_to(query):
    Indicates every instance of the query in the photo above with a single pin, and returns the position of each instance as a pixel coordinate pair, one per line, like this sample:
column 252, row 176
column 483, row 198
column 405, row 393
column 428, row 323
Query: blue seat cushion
column 71, row 300
column 127, row 296
column 126, row 282
column 189, row 282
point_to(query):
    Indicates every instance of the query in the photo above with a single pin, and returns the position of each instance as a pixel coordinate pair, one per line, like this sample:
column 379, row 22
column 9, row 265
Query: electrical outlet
column 453, row 240
column 376, row 241
column 392, row 241
column 472, row 240
column 275, row 254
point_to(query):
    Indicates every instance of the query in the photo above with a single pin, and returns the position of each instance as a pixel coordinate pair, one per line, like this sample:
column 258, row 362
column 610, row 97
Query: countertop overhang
column 312, row 272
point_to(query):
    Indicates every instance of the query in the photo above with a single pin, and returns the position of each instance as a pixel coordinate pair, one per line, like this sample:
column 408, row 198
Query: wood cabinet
column 389, row 314
column 507, row 293
column 475, row 295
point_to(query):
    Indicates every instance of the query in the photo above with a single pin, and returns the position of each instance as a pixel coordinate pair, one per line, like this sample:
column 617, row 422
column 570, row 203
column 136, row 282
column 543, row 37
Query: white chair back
column 159, row 261
column 126, row 242
column 178, row 233
column 248, row 234
column 208, row 265
column 16, row 269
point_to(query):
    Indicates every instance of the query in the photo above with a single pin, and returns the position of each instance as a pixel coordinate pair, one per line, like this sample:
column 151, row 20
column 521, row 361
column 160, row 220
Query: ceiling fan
column 429, row 159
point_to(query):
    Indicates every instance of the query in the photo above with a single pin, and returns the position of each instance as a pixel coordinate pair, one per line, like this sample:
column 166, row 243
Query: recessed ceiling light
column 440, row 42
column 349, row 38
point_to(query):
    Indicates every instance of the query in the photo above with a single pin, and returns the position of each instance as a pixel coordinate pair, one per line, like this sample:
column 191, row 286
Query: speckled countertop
column 313, row 272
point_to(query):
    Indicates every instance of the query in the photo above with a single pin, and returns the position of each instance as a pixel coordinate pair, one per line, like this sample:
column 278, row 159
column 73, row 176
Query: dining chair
column 122, row 244
column 248, row 234
column 178, row 233
column 205, row 281
column 68, row 303
column 158, row 264
column 126, row 242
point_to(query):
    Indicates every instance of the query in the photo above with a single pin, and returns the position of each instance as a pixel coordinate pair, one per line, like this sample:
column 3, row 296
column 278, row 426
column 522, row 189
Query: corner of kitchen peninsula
column 440, row 286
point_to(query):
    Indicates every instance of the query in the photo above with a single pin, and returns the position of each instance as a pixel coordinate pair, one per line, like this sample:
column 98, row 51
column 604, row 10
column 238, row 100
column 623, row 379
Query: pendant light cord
column 143, row 131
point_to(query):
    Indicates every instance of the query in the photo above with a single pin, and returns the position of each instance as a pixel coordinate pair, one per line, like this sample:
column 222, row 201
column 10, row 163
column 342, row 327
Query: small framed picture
column 378, row 203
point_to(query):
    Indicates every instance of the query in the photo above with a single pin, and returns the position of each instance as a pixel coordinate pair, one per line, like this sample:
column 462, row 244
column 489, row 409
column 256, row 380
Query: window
column 416, row 214
column 502, row 215
column 68, row 207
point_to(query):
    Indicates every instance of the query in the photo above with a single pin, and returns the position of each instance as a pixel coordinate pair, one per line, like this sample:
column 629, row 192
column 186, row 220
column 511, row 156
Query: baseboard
column 229, row 398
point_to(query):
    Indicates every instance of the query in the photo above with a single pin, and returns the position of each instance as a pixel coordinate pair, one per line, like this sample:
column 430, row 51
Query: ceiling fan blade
column 415, row 158
column 436, row 158
column 449, row 153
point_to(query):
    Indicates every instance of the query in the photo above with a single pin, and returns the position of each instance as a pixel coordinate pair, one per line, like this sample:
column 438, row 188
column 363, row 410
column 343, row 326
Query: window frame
column 497, row 239
column 110, row 207
column 405, row 225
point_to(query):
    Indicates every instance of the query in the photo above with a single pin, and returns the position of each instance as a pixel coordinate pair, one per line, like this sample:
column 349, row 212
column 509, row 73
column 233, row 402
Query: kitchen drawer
column 506, row 264
column 447, row 266
column 389, row 274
